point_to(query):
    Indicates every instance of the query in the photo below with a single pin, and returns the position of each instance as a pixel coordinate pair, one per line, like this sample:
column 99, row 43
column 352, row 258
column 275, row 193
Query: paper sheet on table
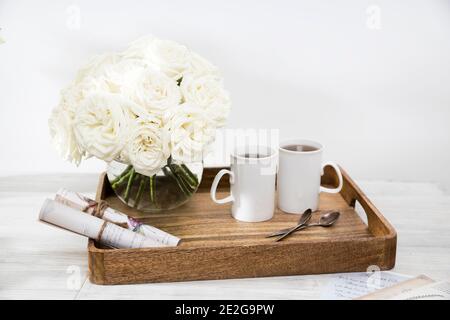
column 433, row 291
column 397, row 289
column 346, row 286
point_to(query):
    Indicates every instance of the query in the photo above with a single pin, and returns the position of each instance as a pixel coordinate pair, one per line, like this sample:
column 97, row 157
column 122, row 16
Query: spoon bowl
column 329, row 219
column 306, row 216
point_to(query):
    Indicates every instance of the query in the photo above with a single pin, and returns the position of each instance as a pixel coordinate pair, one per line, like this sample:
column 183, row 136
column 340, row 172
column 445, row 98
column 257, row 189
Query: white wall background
column 379, row 99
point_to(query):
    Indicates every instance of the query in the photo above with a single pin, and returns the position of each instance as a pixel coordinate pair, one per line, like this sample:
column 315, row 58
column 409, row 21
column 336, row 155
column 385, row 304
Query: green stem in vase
column 179, row 175
column 169, row 173
column 120, row 176
column 184, row 178
column 152, row 188
column 185, row 183
column 140, row 190
column 130, row 182
column 118, row 183
column 186, row 170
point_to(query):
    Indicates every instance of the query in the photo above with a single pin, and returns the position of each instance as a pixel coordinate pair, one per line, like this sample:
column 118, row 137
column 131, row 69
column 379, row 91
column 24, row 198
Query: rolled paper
column 101, row 210
column 95, row 228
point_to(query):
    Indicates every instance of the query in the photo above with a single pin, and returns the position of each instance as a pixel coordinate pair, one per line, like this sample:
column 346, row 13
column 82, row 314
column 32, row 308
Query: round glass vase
column 169, row 188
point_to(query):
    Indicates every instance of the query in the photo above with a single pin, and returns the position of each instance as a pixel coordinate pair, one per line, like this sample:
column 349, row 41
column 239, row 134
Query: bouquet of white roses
column 155, row 103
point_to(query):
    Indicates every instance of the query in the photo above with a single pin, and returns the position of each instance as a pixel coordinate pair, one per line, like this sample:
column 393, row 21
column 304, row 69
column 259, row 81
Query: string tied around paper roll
column 100, row 233
column 98, row 209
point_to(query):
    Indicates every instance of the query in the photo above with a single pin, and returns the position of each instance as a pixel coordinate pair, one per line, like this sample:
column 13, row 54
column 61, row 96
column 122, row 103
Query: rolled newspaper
column 103, row 231
column 101, row 210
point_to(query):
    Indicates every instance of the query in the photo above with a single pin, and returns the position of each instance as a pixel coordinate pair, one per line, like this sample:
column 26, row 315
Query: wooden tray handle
column 351, row 193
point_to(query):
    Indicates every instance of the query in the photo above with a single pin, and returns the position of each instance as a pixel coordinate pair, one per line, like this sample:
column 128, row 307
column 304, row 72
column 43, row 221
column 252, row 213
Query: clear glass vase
column 171, row 187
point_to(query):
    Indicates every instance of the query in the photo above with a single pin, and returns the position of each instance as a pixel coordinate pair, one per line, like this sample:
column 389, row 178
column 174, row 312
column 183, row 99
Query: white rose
column 153, row 90
column 199, row 66
column 70, row 98
column 107, row 73
column 172, row 58
column 207, row 92
column 110, row 80
column 148, row 146
column 73, row 95
column 61, row 122
column 62, row 135
column 191, row 131
column 118, row 75
column 96, row 66
column 138, row 49
column 101, row 125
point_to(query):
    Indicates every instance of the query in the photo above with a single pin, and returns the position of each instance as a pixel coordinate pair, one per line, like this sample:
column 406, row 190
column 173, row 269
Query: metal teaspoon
column 305, row 217
column 284, row 231
column 326, row 220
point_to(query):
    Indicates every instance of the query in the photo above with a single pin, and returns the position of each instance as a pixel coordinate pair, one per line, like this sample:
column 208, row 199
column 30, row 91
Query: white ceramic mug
column 299, row 173
column 252, row 184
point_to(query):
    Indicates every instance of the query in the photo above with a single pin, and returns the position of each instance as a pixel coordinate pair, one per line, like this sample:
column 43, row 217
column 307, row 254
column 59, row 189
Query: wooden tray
column 216, row 246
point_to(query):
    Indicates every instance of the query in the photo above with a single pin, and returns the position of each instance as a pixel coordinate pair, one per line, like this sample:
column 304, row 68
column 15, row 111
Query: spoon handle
column 289, row 232
column 303, row 218
column 297, row 228
column 279, row 232
column 284, row 231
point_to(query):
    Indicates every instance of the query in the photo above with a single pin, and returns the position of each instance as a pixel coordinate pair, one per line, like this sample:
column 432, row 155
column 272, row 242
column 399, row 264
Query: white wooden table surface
column 40, row 262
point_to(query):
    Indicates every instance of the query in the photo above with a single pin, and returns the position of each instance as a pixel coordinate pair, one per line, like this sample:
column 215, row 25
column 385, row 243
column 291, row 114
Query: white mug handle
column 339, row 174
column 215, row 183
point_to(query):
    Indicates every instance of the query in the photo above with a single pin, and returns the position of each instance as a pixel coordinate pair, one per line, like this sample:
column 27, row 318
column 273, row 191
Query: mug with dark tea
column 299, row 173
column 252, row 183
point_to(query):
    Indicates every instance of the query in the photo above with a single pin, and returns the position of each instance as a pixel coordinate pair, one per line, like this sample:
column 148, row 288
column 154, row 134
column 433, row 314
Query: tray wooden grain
column 216, row 246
